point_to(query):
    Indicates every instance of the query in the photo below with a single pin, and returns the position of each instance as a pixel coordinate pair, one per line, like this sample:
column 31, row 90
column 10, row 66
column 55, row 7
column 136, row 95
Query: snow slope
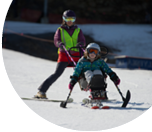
column 26, row 73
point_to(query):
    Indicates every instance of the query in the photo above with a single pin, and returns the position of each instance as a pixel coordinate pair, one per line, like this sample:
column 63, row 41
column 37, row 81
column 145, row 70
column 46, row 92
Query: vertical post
column 44, row 19
column 45, row 7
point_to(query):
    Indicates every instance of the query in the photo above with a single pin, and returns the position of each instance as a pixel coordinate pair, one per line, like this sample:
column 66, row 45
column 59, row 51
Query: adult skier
column 67, row 35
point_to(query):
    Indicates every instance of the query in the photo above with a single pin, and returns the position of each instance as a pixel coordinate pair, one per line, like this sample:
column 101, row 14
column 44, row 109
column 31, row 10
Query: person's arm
column 81, row 39
column 75, row 76
column 78, row 68
column 57, row 39
column 105, row 67
column 113, row 76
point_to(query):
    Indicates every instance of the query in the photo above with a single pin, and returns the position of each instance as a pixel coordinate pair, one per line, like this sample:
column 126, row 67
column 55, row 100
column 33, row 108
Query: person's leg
column 102, row 81
column 97, row 72
column 88, row 75
column 83, row 83
column 51, row 79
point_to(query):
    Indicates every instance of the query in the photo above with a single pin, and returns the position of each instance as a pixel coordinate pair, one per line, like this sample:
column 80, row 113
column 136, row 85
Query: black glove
column 80, row 44
column 114, row 78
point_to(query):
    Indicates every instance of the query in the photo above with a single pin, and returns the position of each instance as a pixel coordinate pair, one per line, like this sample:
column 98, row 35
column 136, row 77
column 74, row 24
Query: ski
column 70, row 100
column 104, row 107
column 105, row 100
column 95, row 104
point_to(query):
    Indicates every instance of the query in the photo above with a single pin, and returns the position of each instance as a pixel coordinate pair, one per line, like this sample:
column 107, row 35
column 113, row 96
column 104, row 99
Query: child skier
column 93, row 68
column 68, row 35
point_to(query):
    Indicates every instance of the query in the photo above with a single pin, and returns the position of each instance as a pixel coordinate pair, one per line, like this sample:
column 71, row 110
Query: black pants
column 51, row 79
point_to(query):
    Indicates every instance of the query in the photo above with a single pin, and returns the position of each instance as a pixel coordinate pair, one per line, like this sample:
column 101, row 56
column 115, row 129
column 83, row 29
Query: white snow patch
column 26, row 73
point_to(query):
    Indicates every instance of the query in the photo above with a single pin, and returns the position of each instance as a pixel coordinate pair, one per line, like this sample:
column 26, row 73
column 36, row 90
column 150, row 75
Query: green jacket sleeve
column 105, row 67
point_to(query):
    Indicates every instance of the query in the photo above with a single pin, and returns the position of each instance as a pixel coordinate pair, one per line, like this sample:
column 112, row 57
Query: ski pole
column 64, row 103
column 125, row 100
column 82, row 49
column 120, row 93
column 69, row 55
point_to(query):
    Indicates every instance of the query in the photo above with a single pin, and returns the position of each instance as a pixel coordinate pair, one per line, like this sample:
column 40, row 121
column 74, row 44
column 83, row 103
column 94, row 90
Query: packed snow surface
column 26, row 73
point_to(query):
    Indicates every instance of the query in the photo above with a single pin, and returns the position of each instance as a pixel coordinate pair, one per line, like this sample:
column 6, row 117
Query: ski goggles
column 93, row 51
column 72, row 19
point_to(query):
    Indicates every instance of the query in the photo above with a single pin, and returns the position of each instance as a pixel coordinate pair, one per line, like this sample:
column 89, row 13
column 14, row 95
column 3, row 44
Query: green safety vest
column 69, row 41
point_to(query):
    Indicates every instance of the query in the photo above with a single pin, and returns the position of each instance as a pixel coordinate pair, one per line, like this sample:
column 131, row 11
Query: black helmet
column 69, row 13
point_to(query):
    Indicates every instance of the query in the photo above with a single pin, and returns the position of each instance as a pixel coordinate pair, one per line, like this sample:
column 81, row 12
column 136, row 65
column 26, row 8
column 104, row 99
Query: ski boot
column 40, row 95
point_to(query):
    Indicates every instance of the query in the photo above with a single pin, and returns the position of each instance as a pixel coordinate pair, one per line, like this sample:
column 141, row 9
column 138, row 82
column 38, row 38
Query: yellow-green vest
column 69, row 41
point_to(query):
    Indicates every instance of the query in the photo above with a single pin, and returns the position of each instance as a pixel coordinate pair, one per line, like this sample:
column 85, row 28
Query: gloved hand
column 80, row 44
column 114, row 78
column 61, row 45
column 117, row 82
column 71, row 84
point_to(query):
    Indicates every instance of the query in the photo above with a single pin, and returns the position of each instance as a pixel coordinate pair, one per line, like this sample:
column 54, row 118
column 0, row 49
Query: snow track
column 26, row 73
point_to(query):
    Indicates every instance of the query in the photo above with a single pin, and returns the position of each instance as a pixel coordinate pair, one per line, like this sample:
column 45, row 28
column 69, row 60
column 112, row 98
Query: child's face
column 92, row 55
column 69, row 23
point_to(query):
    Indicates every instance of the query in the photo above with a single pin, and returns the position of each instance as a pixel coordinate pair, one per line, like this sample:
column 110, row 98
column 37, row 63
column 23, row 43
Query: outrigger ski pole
column 64, row 103
column 125, row 100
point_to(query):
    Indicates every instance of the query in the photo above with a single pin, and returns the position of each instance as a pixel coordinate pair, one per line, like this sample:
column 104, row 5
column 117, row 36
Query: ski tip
column 95, row 107
column 105, row 107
